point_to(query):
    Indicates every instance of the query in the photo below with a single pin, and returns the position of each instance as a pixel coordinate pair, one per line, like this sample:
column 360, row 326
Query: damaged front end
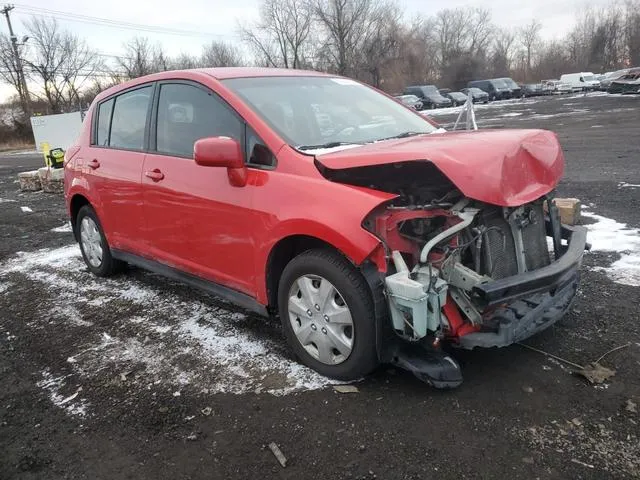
column 473, row 275
column 474, row 256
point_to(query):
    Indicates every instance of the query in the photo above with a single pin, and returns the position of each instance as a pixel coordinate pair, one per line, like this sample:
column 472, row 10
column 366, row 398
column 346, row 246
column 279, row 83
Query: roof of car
column 243, row 72
column 222, row 73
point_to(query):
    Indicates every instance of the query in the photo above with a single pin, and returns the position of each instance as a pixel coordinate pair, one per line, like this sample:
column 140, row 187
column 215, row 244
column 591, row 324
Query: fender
column 356, row 246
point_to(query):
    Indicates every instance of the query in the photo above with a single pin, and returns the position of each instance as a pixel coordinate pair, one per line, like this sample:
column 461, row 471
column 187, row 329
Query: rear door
column 196, row 220
column 112, row 165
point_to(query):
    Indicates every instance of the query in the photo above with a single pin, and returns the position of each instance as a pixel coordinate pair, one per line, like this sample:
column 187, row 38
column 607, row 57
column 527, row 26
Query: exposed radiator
column 498, row 248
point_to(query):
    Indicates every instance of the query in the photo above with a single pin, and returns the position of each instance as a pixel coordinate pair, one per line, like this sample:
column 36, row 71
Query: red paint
column 222, row 222
column 501, row 167
column 458, row 327
column 387, row 225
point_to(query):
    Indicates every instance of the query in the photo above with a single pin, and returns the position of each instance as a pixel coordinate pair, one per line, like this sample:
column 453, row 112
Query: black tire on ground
column 109, row 265
column 357, row 295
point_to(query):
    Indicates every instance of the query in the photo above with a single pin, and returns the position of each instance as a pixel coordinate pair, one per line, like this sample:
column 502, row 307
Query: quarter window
column 104, row 117
column 187, row 113
column 129, row 119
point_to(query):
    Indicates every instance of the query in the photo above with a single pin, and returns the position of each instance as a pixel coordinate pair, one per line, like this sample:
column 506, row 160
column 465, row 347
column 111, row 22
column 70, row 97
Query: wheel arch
column 282, row 252
column 77, row 202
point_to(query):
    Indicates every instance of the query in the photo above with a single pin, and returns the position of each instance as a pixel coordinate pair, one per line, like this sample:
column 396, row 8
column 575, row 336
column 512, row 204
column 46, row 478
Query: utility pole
column 26, row 100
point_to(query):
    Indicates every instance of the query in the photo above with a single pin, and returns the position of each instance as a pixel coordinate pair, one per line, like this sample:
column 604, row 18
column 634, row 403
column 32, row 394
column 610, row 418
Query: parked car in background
column 497, row 89
column 531, row 89
column 477, row 95
column 607, row 78
column 428, row 95
column 581, row 81
column 410, row 101
column 629, row 83
column 458, row 98
column 362, row 238
column 516, row 91
column 556, row 86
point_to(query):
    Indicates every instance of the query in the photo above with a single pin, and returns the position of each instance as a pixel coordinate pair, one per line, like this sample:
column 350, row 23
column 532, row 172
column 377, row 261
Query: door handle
column 156, row 175
column 93, row 163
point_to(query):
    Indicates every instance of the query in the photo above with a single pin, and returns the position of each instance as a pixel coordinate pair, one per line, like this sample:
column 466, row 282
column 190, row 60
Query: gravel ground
column 139, row 377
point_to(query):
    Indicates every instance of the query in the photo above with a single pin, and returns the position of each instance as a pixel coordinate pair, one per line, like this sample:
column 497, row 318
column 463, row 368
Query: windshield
column 429, row 90
column 500, row 83
column 589, row 78
column 509, row 82
column 322, row 111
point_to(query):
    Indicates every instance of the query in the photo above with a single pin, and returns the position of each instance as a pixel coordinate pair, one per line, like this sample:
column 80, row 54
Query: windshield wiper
column 402, row 135
column 326, row 145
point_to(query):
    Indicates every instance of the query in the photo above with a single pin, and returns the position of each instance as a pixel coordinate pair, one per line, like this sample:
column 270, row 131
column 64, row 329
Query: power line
column 75, row 17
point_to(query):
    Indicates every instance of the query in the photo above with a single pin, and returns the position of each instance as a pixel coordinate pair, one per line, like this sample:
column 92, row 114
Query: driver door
column 196, row 220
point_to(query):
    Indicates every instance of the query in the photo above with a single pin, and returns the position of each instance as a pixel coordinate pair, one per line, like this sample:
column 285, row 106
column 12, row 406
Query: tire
column 326, row 323
column 101, row 263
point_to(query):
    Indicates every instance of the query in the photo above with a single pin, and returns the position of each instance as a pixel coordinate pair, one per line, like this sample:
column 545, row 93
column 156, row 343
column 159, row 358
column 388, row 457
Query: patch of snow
column 608, row 235
column 26, row 209
column 511, row 114
column 173, row 339
column 25, row 261
column 63, row 228
column 596, row 126
column 71, row 404
column 628, row 185
column 6, row 200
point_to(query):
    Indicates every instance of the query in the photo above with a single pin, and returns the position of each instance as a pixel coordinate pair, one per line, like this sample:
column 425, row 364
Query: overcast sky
column 208, row 20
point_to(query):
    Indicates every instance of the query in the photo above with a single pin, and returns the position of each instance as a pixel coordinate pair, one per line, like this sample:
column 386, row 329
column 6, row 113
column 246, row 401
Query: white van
column 581, row 81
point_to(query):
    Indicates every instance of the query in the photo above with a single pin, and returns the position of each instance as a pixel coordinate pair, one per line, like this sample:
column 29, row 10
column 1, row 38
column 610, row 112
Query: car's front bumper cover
column 528, row 303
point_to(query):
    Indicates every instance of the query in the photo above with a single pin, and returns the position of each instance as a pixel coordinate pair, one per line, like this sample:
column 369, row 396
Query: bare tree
column 529, row 37
column 345, row 23
column 501, row 58
column 221, row 54
column 463, row 37
column 60, row 62
column 379, row 47
column 141, row 58
column 184, row 61
column 9, row 69
column 280, row 38
column 632, row 32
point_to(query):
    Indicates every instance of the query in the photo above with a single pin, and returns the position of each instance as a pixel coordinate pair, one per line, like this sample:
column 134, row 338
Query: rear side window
column 187, row 113
column 104, row 118
column 129, row 119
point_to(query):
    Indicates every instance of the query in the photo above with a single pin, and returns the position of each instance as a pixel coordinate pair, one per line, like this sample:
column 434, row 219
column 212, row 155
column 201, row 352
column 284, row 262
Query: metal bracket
column 465, row 305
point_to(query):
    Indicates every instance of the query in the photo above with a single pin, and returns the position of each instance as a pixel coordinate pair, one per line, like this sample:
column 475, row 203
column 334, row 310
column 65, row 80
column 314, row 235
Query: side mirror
column 222, row 152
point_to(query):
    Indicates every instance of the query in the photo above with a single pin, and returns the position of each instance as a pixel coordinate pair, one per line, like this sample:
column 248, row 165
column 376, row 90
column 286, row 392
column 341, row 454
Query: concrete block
column 29, row 181
column 52, row 179
column 569, row 210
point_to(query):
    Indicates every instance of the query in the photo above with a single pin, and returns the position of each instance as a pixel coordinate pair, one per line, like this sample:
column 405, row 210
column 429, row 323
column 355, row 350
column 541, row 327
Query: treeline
column 371, row 40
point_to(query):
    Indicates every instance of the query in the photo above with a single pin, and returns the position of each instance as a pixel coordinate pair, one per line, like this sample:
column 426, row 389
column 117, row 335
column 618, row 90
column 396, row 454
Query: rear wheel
column 327, row 315
column 93, row 244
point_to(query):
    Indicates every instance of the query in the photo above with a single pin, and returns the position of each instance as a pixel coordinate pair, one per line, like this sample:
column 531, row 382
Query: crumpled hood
column 500, row 167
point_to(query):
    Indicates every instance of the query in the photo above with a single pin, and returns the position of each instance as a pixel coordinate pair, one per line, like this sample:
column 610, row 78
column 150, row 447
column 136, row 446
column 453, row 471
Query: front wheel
column 327, row 315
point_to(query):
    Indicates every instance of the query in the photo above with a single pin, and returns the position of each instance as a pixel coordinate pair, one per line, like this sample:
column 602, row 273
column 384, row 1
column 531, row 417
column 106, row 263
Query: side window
column 257, row 153
column 187, row 113
column 104, row 118
column 129, row 119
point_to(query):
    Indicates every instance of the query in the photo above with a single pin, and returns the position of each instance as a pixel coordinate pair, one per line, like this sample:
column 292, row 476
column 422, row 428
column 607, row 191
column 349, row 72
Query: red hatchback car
column 374, row 235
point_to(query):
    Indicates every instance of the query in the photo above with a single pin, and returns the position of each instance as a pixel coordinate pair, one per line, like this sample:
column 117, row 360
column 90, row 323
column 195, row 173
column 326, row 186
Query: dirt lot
column 138, row 377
